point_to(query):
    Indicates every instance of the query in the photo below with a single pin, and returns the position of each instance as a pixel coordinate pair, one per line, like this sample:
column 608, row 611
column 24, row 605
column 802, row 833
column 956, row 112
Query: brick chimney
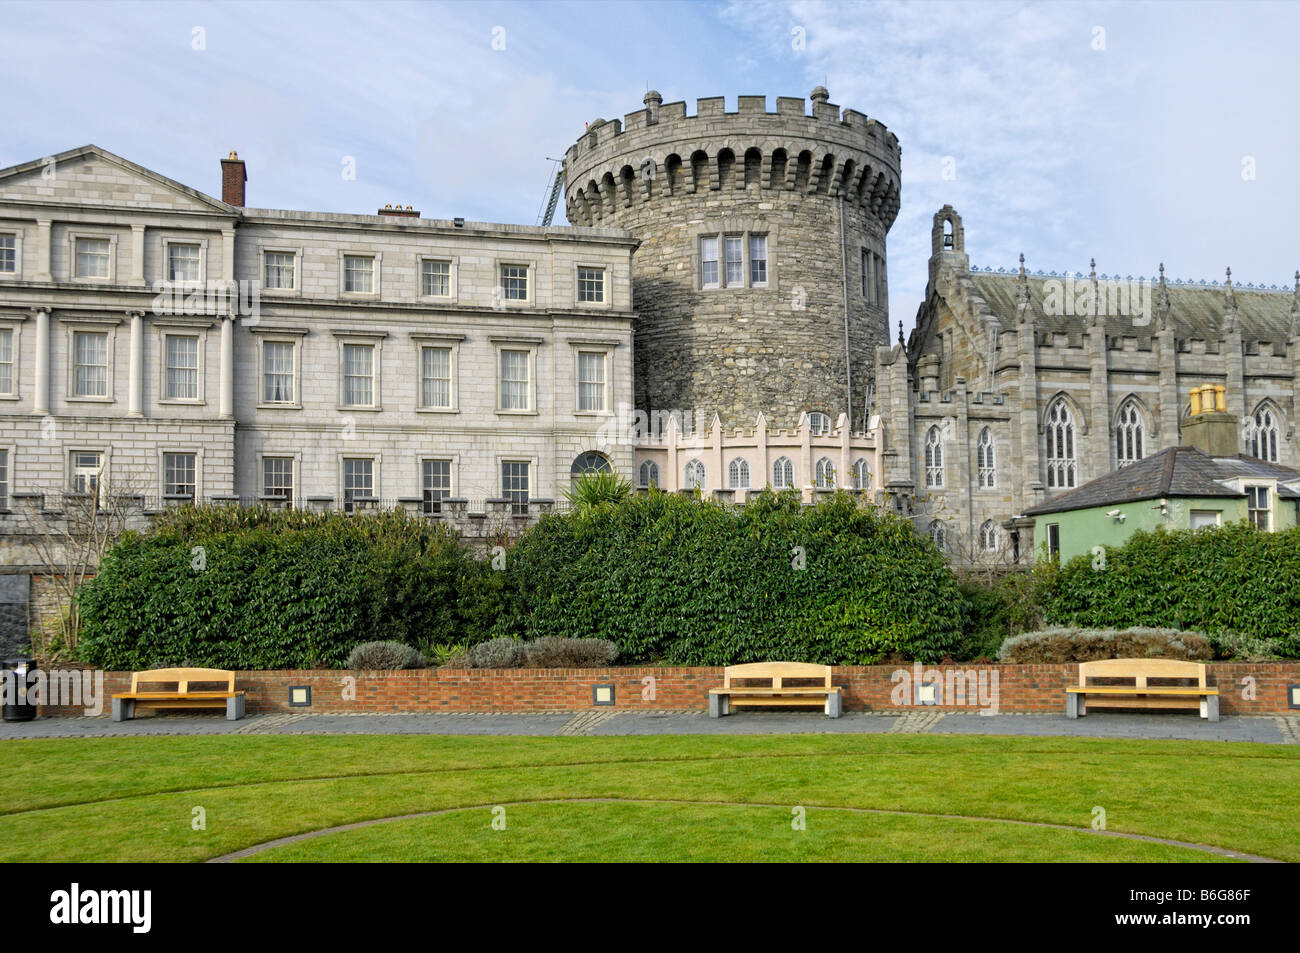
column 233, row 177
column 1209, row 427
column 399, row 211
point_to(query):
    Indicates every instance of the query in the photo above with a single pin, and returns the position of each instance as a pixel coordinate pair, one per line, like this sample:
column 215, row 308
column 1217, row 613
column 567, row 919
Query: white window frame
column 695, row 464
column 530, row 279
column 745, row 236
column 162, row 454
column 647, row 474
column 170, row 330
column 986, row 459
column 604, row 302
column 934, row 469
column 749, row 260
column 295, row 465
column 376, row 469
column 267, row 249
column 294, row 340
column 607, row 353
column 376, row 286
column 504, row 344
column 451, row 461
column 1130, row 422
column 14, row 327
column 738, row 474
column 784, row 484
column 824, row 475
column 451, row 262
column 531, row 463
column 452, row 347
column 1267, row 437
column 819, row 424
column 111, row 238
column 990, row 540
column 70, row 472
column 7, row 484
column 375, row 341
column 109, row 329
column 716, row 261
column 1257, row 489
column 861, row 466
column 1062, row 462
column 165, row 261
column 16, row 232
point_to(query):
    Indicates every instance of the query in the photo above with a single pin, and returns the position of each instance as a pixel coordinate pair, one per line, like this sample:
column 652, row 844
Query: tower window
column 709, row 262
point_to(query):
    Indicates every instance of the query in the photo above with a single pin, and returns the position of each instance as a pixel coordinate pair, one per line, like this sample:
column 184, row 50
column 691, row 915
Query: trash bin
column 17, row 677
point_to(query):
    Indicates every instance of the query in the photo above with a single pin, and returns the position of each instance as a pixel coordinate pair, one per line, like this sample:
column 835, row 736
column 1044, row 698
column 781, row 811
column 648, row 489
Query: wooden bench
column 1146, row 683
column 779, row 683
column 174, row 688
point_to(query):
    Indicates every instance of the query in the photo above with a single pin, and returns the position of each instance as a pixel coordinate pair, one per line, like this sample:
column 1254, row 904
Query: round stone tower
column 759, row 283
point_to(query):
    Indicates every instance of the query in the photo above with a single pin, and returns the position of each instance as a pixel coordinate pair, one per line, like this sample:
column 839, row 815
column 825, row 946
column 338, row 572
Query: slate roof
column 1196, row 312
column 1173, row 472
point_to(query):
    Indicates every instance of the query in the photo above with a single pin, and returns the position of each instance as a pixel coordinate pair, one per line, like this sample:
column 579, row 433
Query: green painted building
column 1177, row 488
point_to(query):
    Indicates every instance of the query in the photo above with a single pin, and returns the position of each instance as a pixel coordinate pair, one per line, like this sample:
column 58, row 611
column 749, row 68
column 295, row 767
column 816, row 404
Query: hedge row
column 691, row 582
column 261, row 589
column 1228, row 580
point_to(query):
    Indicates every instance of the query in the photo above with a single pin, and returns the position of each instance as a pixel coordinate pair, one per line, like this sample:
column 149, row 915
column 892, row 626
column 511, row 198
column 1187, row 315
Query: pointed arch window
column 1062, row 468
column 1130, row 435
column 989, row 540
column 985, row 457
column 933, row 457
column 1263, row 433
column 782, row 474
column 861, row 474
column 819, row 424
column 649, row 473
column 738, row 474
column 824, row 475
column 695, row 476
column 938, row 535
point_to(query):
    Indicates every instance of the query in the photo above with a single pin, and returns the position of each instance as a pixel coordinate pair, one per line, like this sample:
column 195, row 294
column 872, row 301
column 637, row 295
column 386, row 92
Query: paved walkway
column 1264, row 729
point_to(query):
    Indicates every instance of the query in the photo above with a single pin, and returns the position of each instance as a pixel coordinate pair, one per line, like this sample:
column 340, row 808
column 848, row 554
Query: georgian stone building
column 1016, row 387
column 355, row 360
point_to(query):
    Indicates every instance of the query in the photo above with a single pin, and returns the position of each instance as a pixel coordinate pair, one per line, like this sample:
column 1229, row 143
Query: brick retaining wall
column 1020, row 688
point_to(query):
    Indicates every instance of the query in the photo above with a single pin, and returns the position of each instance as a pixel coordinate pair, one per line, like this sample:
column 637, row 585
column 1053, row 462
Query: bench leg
column 123, row 709
column 1210, row 707
column 833, row 704
column 1072, row 705
column 719, row 705
column 235, row 708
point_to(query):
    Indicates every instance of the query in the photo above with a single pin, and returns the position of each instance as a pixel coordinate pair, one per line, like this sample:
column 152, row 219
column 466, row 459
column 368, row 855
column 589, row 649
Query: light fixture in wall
column 299, row 696
column 1293, row 696
column 602, row 694
column 926, row 693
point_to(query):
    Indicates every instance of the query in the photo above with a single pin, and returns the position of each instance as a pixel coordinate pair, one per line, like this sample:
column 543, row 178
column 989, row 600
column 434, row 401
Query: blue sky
column 1119, row 131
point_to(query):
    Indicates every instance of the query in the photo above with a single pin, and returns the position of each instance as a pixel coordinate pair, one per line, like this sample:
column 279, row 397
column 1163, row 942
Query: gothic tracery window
column 986, row 459
column 1130, row 435
column 1062, row 469
column 933, row 457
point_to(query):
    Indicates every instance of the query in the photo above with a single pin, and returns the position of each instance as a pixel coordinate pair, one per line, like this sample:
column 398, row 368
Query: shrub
column 998, row 609
column 692, row 582
column 553, row 651
column 1230, row 579
column 498, row 653
column 279, row 589
column 1050, row 646
column 379, row 656
column 1247, row 648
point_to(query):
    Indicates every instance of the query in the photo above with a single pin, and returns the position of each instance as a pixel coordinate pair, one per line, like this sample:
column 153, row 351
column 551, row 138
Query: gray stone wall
column 822, row 188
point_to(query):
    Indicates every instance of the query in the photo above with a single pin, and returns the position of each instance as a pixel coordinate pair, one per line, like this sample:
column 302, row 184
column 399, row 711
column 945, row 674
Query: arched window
column 649, row 473
column 933, row 458
column 861, row 474
column 1061, row 467
column 986, row 458
column 589, row 462
column 1263, row 433
column 819, row 424
column 989, row 536
column 938, row 535
column 782, row 474
column 1130, row 435
column 824, row 475
column 695, row 475
column 738, row 474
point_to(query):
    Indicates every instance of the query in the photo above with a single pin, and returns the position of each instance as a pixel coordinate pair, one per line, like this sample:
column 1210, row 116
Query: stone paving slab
column 1268, row 730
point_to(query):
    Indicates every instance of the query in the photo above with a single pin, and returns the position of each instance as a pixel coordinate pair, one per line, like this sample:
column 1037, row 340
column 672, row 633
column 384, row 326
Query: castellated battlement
column 659, row 151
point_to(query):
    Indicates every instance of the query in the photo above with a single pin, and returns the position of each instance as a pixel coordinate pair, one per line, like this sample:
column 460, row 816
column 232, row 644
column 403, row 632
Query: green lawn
column 621, row 798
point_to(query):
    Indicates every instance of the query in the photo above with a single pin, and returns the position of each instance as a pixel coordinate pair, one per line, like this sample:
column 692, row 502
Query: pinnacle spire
column 1230, row 305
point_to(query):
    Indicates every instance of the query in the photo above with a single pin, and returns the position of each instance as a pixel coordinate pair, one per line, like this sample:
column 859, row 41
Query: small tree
column 592, row 489
column 69, row 531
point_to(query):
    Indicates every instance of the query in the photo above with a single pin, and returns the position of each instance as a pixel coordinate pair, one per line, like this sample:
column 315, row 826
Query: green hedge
column 262, row 589
column 1231, row 579
column 689, row 582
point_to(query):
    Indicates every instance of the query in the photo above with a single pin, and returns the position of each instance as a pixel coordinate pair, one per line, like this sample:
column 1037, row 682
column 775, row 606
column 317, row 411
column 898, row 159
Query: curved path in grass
column 326, row 831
